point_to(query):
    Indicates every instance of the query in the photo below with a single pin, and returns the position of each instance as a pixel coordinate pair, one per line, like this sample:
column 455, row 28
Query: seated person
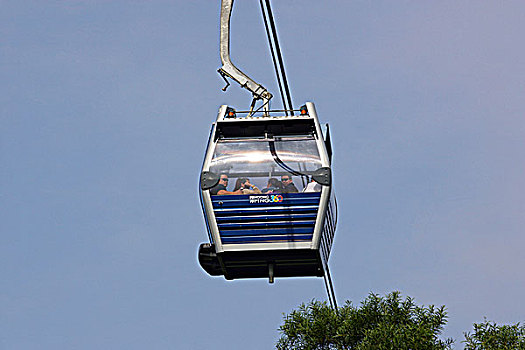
column 243, row 184
column 313, row 186
column 274, row 186
column 220, row 188
column 288, row 185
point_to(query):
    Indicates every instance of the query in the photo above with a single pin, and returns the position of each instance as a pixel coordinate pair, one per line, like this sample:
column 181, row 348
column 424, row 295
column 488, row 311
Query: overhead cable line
column 330, row 288
column 288, row 107
column 288, row 103
column 273, row 58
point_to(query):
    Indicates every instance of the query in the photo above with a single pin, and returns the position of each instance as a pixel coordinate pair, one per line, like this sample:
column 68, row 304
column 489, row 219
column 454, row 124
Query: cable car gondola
column 264, row 231
column 279, row 219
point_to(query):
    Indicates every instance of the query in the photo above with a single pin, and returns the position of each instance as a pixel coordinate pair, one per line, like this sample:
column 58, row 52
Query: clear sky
column 105, row 110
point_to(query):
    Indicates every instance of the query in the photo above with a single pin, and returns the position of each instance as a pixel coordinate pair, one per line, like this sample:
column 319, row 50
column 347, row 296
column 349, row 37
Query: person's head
column 223, row 179
column 273, row 182
column 286, row 179
column 240, row 182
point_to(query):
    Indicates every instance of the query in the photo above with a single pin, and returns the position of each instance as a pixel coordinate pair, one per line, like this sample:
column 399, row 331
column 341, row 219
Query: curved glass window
column 260, row 160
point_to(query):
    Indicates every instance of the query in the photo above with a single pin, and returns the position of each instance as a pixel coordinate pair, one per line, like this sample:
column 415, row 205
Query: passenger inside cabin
column 221, row 187
column 288, row 185
column 313, row 186
column 274, row 186
column 243, row 184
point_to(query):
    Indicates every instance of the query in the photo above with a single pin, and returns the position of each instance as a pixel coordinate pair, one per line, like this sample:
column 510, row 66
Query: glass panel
column 261, row 160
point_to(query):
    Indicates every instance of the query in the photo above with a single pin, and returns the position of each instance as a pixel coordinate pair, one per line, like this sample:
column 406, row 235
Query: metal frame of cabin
column 295, row 252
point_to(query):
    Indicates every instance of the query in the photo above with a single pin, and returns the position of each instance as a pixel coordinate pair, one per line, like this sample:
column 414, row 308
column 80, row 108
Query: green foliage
column 380, row 323
column 489, row 336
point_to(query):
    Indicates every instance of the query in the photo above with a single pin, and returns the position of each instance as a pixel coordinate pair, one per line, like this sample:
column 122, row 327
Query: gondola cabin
column 267, row 197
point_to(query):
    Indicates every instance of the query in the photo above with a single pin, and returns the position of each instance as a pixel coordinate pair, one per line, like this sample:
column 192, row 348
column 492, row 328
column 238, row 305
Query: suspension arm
column 228, row 69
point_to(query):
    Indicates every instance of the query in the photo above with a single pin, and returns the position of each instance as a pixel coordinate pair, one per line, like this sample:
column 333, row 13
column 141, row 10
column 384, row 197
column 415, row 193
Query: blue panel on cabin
column 261, row 239
column 266, row 224
column 266, row 232
column 261, row 201
column 263, row 218
column 275, row 210
column 230, row 219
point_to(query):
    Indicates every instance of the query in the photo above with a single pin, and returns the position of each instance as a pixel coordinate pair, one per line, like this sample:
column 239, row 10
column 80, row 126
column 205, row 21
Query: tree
column 379, row 323
column 488, row 336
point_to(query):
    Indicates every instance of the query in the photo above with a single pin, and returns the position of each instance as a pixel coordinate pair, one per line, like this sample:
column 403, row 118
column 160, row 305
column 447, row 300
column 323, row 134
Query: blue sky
column 105, row 109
